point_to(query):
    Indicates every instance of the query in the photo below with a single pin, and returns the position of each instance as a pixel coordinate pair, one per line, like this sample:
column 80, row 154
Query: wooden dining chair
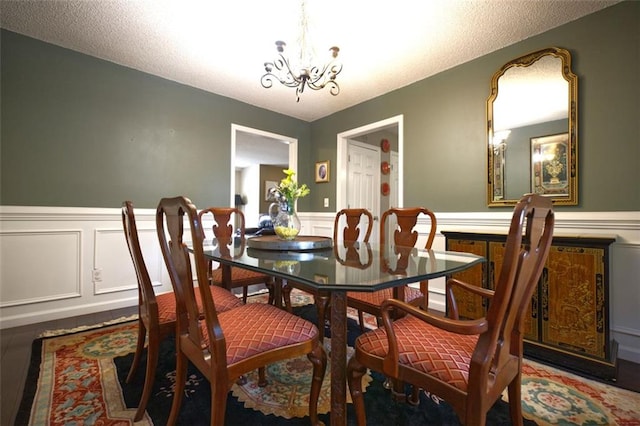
column 229, row 224
column 468, row 363
column 226, row 345
column 404, row 235
column 156, row 313
column 350, row 225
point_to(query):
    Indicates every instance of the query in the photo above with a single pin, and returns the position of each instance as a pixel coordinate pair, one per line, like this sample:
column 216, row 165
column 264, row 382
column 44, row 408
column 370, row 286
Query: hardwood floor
column 16, row 353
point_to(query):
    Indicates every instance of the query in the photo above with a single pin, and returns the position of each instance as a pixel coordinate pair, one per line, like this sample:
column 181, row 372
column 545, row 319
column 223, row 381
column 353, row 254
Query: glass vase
column 286, row 223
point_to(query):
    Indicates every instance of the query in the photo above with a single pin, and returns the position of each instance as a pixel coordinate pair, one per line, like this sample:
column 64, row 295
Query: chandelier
column 302, row 73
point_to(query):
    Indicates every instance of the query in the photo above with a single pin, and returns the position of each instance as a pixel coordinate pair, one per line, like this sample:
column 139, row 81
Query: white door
column 363, row 181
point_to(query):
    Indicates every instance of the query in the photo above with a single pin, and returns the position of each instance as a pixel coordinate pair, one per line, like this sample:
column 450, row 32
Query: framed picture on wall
column 322, row 171
column 268, row 184
column 550, row 159
column 321, row 279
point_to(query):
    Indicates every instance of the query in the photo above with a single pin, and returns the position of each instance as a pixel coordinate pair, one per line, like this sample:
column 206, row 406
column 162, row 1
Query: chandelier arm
column 284, row 74
column 321, row 79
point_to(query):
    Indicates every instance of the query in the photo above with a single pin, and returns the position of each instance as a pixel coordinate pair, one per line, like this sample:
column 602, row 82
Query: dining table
column 337, row 269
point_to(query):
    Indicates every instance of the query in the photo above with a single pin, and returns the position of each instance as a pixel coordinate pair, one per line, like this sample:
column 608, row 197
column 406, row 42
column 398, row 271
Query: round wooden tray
column 299, row 255
column 300, row 243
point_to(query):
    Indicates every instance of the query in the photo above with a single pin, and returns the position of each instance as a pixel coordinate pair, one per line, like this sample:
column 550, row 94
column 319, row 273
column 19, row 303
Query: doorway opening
column 257, row 159
column 391, row 195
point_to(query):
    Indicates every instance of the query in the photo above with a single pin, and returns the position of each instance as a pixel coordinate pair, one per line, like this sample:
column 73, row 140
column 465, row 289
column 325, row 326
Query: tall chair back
column 156, row 314
column 418, row 348
column 399, row 224
column 227, row 229
column 227, row 344
column 349, row 226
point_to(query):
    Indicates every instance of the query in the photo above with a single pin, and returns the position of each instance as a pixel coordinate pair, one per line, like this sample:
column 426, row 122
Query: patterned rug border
column 603, row 403
column 63, row 331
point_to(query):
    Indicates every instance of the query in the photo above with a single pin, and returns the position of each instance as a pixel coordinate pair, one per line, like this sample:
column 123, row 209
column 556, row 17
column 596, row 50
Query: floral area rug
column 287, row 392
column 554, row 397
column 78, row 379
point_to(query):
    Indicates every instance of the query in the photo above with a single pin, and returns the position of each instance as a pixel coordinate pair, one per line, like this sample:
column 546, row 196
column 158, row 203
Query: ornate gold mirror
column 532, row 129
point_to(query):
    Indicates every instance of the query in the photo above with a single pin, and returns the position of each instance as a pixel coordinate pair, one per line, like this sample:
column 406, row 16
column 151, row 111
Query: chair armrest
column 451, row 300
column 390, row 362
column 476, row 326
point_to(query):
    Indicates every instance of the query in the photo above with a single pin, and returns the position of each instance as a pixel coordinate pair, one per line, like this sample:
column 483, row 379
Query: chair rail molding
column 101, row 245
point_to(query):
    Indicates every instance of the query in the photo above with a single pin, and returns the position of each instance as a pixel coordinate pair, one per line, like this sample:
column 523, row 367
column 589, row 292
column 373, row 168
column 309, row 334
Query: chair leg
column 245, row 293
column 414, row 399
column 322, row 303
column 218, row 402
column 355, row 371
column 181, row 379
column 515, row 400
column 142, row 334
column 286, row 295
column 397, row 390
column 272, row 298
column 361, row 319
column 262, row 377
column 153, row 352
column 318, row 358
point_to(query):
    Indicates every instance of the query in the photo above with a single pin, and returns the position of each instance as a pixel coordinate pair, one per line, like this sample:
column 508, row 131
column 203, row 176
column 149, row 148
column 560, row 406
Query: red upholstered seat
column 239, row 277
column 375, row 299
column 249, row 330
column 222, row 298
column 425, row 348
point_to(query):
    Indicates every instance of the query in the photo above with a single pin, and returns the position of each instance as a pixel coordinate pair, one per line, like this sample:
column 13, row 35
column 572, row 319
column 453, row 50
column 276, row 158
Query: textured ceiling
column 220, row 46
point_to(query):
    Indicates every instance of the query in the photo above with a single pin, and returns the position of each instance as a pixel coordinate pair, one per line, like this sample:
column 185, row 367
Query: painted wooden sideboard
column 568, row 320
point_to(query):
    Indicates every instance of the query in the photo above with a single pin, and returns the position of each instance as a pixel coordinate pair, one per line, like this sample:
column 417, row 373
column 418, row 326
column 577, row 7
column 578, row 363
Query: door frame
column 235, row 128
column 342, row 157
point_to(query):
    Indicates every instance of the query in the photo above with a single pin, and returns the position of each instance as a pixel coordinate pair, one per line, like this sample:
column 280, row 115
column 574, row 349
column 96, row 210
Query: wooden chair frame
column 350, row 233
column 494, row 343
column 404, row 235
column 224, row 347
column 150, row 322
column 224, row 230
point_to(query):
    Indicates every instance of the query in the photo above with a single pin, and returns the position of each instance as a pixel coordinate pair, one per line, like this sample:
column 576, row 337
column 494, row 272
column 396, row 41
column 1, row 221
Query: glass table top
column 350, row 267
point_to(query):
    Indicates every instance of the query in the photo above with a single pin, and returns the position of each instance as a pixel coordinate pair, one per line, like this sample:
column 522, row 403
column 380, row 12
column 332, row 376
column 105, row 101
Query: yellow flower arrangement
column 289, row 188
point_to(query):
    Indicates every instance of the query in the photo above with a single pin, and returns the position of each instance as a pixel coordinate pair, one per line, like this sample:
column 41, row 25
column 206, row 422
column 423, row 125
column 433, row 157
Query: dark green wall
column 79, row 131
column 445, row 116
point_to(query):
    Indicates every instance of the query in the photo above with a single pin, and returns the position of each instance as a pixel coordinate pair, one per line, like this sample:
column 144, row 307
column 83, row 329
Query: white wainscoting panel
column 53, row 273
column 48, row 255
column 112, row 260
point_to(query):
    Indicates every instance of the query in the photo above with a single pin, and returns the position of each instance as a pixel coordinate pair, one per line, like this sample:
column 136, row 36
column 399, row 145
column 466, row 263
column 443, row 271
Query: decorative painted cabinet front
column 568, row 320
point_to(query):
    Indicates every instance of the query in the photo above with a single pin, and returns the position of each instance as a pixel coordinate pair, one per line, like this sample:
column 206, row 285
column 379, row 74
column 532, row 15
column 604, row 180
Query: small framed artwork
column 321, row 279
column 268, row 184
column 322, row 171
column 550, row 159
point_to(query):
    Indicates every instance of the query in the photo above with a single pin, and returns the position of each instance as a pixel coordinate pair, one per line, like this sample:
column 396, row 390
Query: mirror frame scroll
column 572, row 131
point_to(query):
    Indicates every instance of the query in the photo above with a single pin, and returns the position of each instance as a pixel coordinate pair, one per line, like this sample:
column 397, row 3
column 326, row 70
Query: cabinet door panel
column 469, row 305
column 573, row 300
column 531, row 322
